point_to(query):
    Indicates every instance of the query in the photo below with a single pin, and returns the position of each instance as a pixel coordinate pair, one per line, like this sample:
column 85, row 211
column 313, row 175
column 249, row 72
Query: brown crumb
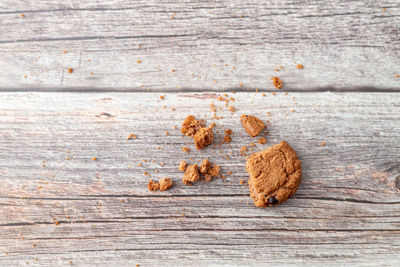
column 65, row 51
column 208, row 178
column 173, row 70
column 139, row 164
column 182, row 166
column 190, row 126
column 204, row 166
column 397, row 75
column 264, row 94
column 322, row 143
column 274, row 93
column 262, row 140
column 191, row 175
column 229, row 132
column 241, row 181
column 22, row 15
column 70, row 70
column 203, row 137
column 277, row 82
column 57, row 223
column 165, row 183
column 139, row 61
column 153, row 186
column 94, row 158
column 231, row 109
column 252, row 125
column 131, row 136
column 299, row 66
column 166, row 133
column 240, row 84
column 252, row 144
column 243, row 148
column 214, row 171
column 286, row 93
column 229, row 173
column 227, row 138
column 162, row 97
column 276, row 69
column 186, row 149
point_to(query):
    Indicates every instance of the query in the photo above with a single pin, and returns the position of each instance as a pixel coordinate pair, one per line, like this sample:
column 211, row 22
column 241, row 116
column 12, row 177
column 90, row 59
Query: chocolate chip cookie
column 275, row 174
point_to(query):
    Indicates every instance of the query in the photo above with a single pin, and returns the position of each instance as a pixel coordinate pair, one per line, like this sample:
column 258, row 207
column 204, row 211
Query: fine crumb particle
column 286, row 93
column 292, row 110
column 397, row 75
column 191, row 175
column 322, row 143
column 65, row 51
column 186, row 149
column 264, row 94
column 182, row 166
column 231, row 109
column 262, row 140
column 241, row 181
column 277, row 82
column 22, row 15
column 139, row 61
column 165, row 183
column 299, row 66
column 229, row 173
column 227, row 138
column 243, row 148
column 94, row 158
column 162, row 97
column 240, row 84
column 229, row 132
column 137, row 264
column 57, row 223
column 139, row 164
column 153, row 186
column 162, row 163
column 70, row 70
column 131, row 136
column 166, row 133
column 252, row 144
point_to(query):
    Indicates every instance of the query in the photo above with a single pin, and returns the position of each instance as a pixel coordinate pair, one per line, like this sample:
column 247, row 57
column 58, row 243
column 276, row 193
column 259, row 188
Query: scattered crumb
column 94, row 158
column 191, row 175
column 186, row 149
column 166, row 133
column 183, row 166
column 229, row 132
column 286, row 93
column 292, row 110
column 57, row 223
column 153, row 186
column 241, row 181
column 262, row 140
column 322, row 143
column 162, row 97
column 65, row 51
column 204, row 166
column 131, row 136
column 139, row 61
column 264, row 94
column 22, row 15
column 231, row 109
column 190, row 126
column 252, row 144
column 252, row 125
column 240, row 84
column 227, row 138
column 70, row 70
column 165, row 183
column 243, row 148
column 203, row 137
column 162, row 163
column 397, row 75
column 277, row 82
column 299, row 66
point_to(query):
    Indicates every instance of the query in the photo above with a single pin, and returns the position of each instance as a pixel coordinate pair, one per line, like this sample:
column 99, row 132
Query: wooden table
column 60, row 207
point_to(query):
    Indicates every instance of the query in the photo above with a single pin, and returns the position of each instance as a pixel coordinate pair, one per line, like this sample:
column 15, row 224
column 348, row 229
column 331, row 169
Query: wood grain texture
column 346, row 211
column 211, row 45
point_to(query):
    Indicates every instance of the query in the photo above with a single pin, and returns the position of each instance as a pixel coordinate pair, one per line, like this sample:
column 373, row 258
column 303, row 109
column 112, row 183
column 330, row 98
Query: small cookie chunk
column 208, row 178
column 253, row 125
column 275, row 174
column 204, row 166
column 190, row 126
column 165, row 183
column 182, row 166
column 214, row 171
column 191, row 174
column 153, row 186
column 203, row 137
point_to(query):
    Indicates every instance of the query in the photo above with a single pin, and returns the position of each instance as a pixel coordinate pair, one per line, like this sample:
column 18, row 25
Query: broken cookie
column 252, row 125
column 275, row 174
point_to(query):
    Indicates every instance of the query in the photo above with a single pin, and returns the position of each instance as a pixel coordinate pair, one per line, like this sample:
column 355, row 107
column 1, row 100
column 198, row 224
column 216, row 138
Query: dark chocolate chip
column 272, row 200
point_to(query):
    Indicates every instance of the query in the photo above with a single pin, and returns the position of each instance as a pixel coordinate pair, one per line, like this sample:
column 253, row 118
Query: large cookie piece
column 275, row 174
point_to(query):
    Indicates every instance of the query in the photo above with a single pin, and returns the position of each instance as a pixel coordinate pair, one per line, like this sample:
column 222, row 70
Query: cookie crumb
column 228, row 132
column 191, row 175
column 186, row 149
column 243, row 148
column 153, row 186
column 22, row 15
column 203, row 137
column 397, row 75
column 262, row 140
column 165, row 183
column 166, row 133
column 231, row 109
column 190, row 126
column 131, row 136
column 65, row 51
column 162, row 97
column 227, row 138
column 70, row 70
column 322, row 143
column 138, row 61
column 277, row 82
column 182, row 166
column 204, row 166
column 252, row 125
column 299, row 66
column 241, row 181
column 94, row 158
column 214, row 171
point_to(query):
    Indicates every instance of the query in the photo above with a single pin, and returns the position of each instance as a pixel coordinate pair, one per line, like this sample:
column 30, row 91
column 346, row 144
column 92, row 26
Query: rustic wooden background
column 59, row 207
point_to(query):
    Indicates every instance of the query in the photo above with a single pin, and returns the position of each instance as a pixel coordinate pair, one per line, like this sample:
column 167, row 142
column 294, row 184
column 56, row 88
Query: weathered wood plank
column 345, row 211
column 353, row 45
